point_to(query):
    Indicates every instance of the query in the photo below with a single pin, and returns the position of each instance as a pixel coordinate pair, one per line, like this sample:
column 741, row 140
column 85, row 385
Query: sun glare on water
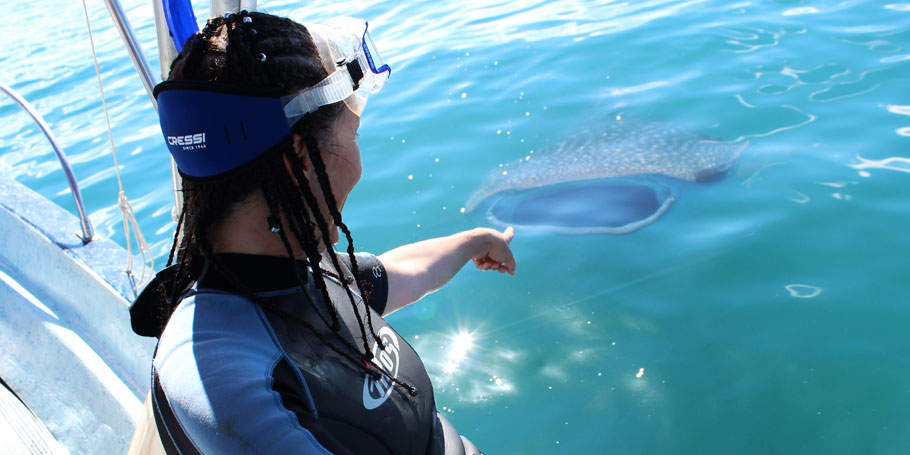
column 458, row 351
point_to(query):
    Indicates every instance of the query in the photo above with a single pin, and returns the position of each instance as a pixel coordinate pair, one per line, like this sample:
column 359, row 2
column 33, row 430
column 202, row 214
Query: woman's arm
column 417, row 269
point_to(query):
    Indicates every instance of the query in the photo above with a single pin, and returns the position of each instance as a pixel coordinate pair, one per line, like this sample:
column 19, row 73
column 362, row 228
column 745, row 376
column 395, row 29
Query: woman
column 269, row 341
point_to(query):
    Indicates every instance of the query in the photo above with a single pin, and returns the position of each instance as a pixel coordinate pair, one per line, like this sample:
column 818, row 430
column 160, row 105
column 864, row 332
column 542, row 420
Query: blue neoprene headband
column 211, row 128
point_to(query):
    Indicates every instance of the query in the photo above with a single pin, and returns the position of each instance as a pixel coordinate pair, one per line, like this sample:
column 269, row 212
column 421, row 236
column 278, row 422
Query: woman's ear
column 300, row 149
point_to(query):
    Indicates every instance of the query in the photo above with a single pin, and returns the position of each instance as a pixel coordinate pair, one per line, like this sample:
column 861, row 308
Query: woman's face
column 341, row 156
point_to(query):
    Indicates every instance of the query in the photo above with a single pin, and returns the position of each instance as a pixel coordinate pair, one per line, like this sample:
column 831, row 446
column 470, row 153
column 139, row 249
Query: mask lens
column 377, row 72
column 377, row 65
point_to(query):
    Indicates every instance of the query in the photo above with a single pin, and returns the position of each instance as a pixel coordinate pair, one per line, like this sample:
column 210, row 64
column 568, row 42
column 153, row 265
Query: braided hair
column 260, row 50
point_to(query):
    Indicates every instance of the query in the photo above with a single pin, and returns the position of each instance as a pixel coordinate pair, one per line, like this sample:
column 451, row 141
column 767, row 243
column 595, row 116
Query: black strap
column 173, row 438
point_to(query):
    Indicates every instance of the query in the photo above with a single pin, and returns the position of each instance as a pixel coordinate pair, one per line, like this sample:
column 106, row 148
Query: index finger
column 509, row 263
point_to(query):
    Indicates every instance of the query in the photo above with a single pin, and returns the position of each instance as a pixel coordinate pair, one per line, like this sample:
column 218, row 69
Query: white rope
column 126, row 210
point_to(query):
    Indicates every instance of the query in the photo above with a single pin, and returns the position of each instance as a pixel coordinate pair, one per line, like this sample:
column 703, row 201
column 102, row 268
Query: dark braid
column 370, row 368
column 374, row 372
column 275, row 221
column 181, row 278
column 304, row 185
column 301, row 224
column 170, row 257
column 332, row 204
column 268, row 51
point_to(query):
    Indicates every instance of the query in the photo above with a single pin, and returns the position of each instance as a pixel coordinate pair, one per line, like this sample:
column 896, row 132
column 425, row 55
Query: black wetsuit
column 235, row 376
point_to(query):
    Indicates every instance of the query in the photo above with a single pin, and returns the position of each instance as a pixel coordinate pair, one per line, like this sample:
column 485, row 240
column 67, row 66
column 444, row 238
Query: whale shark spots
column 614, row 180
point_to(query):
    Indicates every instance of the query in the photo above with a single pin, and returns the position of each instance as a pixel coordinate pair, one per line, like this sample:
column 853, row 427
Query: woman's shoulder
column 217, row 363
column 216, row 325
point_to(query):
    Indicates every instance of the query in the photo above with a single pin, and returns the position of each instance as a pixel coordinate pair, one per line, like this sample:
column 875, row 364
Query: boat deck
column 21, row 431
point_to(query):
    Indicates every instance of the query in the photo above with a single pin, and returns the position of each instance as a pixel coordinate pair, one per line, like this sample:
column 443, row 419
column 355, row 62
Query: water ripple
column 894, row 163
column 803, row 291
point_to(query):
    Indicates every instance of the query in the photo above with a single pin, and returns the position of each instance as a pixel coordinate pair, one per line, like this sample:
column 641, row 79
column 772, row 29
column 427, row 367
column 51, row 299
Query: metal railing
column 132, row 47
column 87, row 231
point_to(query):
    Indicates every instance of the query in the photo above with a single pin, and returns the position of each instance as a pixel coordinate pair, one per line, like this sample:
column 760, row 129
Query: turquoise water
column 765, row 313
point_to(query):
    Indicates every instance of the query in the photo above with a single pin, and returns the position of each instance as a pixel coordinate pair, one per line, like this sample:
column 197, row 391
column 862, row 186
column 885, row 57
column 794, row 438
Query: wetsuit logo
column 376, row 391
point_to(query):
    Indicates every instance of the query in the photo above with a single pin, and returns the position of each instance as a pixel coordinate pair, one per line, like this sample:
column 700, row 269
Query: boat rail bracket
column 87, row 231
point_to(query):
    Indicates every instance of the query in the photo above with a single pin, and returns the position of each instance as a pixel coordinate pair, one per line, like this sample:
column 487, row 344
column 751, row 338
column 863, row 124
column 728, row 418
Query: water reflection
column 465, row 368
column 894, row 163
column 800, row 11
column 458, row 350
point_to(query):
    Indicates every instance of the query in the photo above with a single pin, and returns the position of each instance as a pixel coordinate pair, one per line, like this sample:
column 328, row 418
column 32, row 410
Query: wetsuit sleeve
column 374, row 280
column 229, row 385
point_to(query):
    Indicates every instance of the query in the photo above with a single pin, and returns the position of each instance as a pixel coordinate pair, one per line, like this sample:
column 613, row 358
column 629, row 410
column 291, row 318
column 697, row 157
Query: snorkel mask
column 212, row 129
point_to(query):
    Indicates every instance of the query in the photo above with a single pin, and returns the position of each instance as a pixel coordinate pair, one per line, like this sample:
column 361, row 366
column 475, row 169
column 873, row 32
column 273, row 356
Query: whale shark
column 612, row 180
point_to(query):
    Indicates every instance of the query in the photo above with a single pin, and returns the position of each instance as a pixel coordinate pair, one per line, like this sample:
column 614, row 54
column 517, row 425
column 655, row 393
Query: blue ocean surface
column 764, row 313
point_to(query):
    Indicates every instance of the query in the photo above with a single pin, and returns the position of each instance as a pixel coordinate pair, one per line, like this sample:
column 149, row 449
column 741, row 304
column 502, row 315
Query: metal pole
column 219, row 7
column 87, row 231
column 167, row 52
column 133, row 48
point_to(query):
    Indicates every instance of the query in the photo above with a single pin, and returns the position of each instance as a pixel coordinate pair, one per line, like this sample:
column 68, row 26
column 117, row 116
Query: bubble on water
column 801, row 198
column 425, row 311
column 803, row 291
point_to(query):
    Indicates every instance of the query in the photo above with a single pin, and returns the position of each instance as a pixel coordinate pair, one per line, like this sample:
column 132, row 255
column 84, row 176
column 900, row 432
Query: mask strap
column 334, row 88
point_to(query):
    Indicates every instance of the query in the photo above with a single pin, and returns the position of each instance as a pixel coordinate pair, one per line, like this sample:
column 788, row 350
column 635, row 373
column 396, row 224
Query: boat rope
column 126, row 209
